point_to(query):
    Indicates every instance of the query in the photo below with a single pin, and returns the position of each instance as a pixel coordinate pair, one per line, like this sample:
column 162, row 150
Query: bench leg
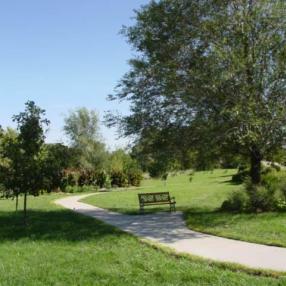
column 141, row 209
column 172, row 207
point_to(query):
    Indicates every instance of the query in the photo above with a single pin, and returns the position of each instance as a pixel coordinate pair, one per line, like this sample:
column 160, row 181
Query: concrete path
column 169, row 230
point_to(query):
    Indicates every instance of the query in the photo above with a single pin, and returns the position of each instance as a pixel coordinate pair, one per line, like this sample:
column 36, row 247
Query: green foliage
column 134, row 177
column 10, row 161
column 209, row 75
column 238, row 201
column 118, row 179
column 22, row 171
column 107, row 183
column 72, row 179
column 100, row 178
column 81, row 189
column 124, row 170
column 270, row 195
column 82, row 128
column 54, row 159
column 261, row 198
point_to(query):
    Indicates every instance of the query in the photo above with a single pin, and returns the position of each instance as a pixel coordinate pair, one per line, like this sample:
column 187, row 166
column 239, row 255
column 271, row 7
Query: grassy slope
column 200, row 201
column 63, row 248
column 205, row 192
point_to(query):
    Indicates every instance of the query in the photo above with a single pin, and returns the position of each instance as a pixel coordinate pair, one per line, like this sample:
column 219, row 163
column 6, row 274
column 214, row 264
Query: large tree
column 214, row 67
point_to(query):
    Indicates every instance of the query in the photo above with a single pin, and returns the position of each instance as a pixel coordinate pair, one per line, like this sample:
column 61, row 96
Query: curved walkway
column 169, row 230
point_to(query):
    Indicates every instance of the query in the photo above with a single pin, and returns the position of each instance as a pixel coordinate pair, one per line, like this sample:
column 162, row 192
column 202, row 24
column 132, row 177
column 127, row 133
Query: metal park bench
column 150, row 199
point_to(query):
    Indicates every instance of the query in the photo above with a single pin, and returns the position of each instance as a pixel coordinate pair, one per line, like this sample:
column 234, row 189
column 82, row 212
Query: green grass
column 207, row 191
column 200, row 200
column 60, row 247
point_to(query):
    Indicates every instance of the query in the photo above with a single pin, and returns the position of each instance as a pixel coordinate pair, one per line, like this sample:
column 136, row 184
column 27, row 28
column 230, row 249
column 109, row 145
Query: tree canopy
column 82, row 128
column 213, row 68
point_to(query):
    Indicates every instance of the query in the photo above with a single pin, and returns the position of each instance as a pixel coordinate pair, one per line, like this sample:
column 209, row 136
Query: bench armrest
column 173, row 199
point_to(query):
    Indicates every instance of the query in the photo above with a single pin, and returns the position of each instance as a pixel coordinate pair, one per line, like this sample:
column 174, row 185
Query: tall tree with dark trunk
column 214, row 67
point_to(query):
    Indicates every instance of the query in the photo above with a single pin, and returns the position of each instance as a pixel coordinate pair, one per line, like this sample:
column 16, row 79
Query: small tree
column 26, row 167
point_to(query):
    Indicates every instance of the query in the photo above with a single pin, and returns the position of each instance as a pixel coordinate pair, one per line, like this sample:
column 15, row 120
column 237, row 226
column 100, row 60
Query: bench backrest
column 154, row 197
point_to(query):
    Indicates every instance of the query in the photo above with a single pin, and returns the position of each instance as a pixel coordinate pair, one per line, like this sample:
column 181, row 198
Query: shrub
column 270, row 195
column 261, row 198
column 134, row 177
column 118, row 179
column 237, row 202
column 107, row 183
column 80, row 189
column 82, row 179
column 270, row 179
column 100, row 179
column 71, row 179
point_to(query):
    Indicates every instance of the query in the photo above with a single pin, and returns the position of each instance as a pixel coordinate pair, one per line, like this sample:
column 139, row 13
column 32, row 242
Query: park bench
column 150, row 199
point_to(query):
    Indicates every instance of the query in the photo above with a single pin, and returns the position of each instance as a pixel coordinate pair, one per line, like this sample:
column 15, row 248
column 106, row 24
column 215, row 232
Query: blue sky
column 63, row 54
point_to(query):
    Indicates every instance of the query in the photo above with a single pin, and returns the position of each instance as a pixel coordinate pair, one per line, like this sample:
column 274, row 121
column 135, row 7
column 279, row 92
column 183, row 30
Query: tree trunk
column 17, row 201
column 25, row 208
column 255, row 170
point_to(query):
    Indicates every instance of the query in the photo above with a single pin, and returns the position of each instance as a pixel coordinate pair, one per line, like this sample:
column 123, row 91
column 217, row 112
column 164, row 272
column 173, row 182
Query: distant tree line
column 30, row 166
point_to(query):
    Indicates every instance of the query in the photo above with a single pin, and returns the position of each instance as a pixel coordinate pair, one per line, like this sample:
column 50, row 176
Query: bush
column 80, row 189
column 107, row 183
column 100, row 179
column 270, row 179
column 270, row 195
column 71, row 179
column 261, row 199
column 82, row 179
column 118, row 179
column 237, row 202
column 134, row 177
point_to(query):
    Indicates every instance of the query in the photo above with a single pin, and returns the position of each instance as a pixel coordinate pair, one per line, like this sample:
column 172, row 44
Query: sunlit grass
column 200, row 200
column 60, row 247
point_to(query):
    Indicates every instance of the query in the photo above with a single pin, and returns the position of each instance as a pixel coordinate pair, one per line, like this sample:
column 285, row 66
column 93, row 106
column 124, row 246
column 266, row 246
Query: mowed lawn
column 206, row 191
column 60, row 247
column 200, row 200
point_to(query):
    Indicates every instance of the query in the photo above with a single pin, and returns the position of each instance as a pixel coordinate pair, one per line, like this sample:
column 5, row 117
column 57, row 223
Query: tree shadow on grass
column 208, row 219
column 230, row 182
column 58, row 225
